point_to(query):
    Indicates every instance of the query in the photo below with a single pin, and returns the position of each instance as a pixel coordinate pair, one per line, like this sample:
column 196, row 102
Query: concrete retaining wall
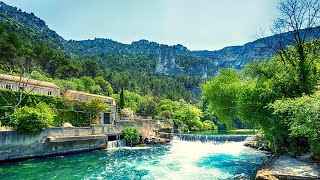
column 52, row 141
column 147, row 128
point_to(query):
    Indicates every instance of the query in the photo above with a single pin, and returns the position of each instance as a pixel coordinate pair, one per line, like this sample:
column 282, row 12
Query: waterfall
column 214, row 138
column 116, row 144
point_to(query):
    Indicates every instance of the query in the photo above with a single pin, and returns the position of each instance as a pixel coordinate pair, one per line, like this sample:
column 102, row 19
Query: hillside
column 139, row 62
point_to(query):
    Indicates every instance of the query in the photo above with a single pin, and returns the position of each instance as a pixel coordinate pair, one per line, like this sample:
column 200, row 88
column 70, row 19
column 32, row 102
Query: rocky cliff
column 171, row 60
column 28, row 19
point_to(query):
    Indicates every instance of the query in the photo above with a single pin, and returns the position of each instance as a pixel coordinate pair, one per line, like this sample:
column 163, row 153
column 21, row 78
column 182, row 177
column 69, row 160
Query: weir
column 116, row 144
column 214, row 138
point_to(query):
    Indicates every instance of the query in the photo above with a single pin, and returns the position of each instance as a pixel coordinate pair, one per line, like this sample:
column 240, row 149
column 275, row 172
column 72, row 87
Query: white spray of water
column 180, row 162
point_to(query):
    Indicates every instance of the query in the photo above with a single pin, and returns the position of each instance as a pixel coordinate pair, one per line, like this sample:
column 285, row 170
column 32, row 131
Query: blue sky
column 197, row 24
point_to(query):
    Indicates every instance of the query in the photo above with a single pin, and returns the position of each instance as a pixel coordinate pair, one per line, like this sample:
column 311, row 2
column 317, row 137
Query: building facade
column 108, row 117
column 28, row 85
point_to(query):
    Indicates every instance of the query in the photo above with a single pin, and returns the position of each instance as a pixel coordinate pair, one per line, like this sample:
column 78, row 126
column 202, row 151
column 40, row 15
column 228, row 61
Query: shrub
column 127, row 112
column 208, row 125
column 197, row 125
column 302, row 116
column 32, row 120
column 130, row 134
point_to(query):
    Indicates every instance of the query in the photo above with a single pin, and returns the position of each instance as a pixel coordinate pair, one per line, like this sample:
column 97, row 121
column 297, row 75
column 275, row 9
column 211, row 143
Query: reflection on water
column 179, row 160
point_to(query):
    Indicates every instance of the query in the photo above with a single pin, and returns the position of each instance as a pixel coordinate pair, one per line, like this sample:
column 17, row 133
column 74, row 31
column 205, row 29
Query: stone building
column 108, row 117
column 28, row 85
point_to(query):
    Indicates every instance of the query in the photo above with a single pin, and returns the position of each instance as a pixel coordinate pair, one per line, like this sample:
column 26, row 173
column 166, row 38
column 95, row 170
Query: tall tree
column 90, row 68
column 299, row 18
column 122, row 99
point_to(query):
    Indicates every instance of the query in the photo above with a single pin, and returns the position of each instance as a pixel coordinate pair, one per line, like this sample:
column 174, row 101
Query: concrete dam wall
column 54, row 141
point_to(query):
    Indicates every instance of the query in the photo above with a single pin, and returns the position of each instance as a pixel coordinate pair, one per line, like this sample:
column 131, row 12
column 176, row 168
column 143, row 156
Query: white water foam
column 181, row 161
column 116, row 144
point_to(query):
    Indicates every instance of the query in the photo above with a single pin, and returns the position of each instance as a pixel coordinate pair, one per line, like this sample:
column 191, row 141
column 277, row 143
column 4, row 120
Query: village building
column 28, row 85
column 108, row 117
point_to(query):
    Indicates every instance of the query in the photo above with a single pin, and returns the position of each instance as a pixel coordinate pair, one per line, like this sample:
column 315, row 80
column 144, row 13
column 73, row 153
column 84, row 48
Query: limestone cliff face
column 166, row 63
column 237, row 56
column 170, row 60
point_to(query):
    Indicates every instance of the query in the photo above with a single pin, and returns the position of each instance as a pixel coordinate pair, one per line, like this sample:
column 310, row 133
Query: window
column 8, row 86
column 108, row 101
column 50, row 93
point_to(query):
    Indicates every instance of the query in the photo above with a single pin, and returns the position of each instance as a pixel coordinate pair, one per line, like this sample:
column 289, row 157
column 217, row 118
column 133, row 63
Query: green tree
column 299, row 17
column 122, row 102
column 208, row 125
column 166, row 109
column 105, row 85
column 32, row 120
column 130, row 134
column 222, row 94
column 95, row 106
column 88, row 83
column 302, row 116
column 90, row 68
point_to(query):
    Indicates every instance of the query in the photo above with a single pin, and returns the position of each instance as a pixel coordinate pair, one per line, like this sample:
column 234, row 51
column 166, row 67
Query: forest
column 280, row 95
column 273, row 96
column 162, row 97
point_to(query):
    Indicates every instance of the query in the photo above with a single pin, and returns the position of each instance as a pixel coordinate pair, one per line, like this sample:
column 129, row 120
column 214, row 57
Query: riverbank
column 62, row 141
column 286, row 167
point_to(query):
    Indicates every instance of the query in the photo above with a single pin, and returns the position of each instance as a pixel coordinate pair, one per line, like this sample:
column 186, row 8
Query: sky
column 196, row 24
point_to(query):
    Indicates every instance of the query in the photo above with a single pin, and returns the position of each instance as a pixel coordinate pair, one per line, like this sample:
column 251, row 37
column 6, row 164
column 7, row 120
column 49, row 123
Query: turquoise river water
column 184, row 158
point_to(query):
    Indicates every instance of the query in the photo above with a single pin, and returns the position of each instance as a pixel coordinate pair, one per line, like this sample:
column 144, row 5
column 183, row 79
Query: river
column 184, row 158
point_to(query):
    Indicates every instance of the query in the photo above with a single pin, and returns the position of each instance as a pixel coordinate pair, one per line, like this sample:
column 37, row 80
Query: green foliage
column 167, row 109
column 222, row 94
column 90, row 68
column 32, row 120
column 72, row 111
column 9, row 98
column 134, row 72
column 301, row 59
column 302, row 116
column 130, row 134
column 189, row 61
column 209, row 125
column 104, row 85
column 121, row 99
column 264, row 84
column 94, row 106
column 181, row 113
column 131, row 100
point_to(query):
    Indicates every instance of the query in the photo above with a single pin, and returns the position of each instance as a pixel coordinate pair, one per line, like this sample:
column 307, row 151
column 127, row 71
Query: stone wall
column 147, row 128
column 14, row 145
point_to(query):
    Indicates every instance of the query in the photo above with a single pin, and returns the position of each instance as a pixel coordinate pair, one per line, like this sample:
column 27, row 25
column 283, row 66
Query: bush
column 208, row 125
column 197, row 125
column 130, row 134
column 127, row 112
column 32, row 120
column 302, row 117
